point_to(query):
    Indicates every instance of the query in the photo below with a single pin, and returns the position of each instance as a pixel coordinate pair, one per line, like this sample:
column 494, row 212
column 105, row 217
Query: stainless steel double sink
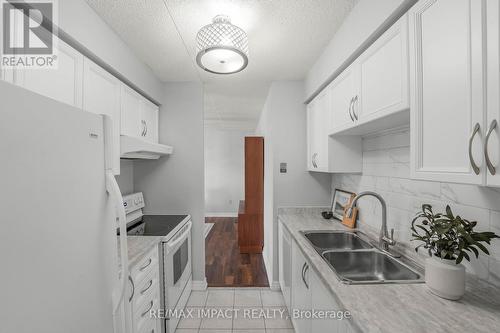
column 356, row 261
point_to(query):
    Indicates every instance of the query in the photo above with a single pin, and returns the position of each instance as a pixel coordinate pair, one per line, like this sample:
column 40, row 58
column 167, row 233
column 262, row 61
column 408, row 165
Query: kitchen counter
column 396, row 307
column 138, row 247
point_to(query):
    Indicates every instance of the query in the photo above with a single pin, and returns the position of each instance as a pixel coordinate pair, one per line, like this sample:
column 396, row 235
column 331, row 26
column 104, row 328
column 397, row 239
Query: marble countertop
column 396, row 307
column 138, row 247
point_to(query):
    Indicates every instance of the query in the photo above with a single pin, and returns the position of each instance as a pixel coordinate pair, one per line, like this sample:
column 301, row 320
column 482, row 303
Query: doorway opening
column 234, row 184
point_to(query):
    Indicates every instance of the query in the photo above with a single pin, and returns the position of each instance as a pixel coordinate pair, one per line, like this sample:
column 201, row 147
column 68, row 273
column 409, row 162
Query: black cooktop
column 155, row 225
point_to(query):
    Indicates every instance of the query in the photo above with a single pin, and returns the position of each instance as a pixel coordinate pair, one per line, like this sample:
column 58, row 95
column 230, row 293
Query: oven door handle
column 173, row 244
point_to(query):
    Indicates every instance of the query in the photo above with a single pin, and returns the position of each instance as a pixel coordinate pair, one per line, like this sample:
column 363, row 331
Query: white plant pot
column 445, row 278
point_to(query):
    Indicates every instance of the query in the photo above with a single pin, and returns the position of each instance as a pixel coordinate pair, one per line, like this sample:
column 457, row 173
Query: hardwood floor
column 225, row 265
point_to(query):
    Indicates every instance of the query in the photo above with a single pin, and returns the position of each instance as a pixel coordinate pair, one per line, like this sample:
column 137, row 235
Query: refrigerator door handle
column 116, row 196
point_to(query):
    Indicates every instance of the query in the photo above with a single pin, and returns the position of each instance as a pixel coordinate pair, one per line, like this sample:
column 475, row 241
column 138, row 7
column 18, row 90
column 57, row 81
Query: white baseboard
column 221, row 214
column 199, row 285
column 269, row 270
column 275, row 285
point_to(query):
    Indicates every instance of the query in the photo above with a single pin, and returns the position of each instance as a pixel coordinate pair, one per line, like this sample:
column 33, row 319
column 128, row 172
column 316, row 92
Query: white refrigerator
column 62, row 267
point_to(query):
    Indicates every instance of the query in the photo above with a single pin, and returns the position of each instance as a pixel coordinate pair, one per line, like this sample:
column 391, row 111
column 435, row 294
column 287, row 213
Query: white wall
column 365, row 20
column 126, row 177
column 79, row 20
column 386, row 170
column 175, row 184
column 283, row 125
column 224, row 168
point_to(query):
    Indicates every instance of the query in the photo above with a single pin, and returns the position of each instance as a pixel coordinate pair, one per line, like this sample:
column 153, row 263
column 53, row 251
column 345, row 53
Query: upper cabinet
column 139, row 116
column 63, row 84
column 101, row 95
column 131, row 117
column 149, row 112
column 383, row 70
column 447, row 92
column 374, row 86
column 492, row 129
column 324, row 152
column 344, row 94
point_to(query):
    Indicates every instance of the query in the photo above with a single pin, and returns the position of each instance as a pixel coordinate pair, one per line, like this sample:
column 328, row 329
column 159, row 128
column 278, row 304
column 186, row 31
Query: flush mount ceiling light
column 222, row 47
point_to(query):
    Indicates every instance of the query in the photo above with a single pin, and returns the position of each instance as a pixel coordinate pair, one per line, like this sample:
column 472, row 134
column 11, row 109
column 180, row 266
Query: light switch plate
column 282, row 167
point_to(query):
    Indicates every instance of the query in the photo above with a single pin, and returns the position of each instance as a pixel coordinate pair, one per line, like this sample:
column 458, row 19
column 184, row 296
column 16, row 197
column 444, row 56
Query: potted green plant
column 448, row 239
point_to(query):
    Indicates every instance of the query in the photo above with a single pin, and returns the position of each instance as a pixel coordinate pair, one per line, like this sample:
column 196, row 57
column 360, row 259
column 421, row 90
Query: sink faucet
column 384, row 240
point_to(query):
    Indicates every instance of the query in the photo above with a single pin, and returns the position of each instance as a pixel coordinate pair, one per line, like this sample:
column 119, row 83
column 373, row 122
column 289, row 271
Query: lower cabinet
column 308, row 293
column 285, row 263
column 144, row 295
column 301, row 292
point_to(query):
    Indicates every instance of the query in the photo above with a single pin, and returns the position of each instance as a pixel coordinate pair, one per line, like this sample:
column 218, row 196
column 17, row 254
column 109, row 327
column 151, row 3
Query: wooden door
column 251, row 215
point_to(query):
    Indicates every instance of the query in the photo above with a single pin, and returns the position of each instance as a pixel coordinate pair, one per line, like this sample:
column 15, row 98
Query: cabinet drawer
column 146, row 289
column 145, row 266
column 152, row 326
column 142, row 316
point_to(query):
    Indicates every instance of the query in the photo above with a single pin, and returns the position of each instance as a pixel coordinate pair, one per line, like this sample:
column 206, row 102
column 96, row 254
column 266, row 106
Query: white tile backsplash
column 386, row 170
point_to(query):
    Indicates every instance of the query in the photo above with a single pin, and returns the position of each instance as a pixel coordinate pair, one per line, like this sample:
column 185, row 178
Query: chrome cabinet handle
column 492, row 169
column 147, row 288
column 147, row 265
column 146, row 124
column 133, row 288
column 315, row 165
column 149, row 309
column 305, row 267
column 142, row 123
column 476, row 169
column 350, row 109
column 354, row 107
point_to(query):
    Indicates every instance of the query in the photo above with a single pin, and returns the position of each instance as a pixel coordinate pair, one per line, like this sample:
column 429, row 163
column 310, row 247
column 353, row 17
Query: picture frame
column 341, row 200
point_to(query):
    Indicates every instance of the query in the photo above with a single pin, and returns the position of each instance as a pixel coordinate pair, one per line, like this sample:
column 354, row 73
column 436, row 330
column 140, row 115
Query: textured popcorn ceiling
column 285, row 39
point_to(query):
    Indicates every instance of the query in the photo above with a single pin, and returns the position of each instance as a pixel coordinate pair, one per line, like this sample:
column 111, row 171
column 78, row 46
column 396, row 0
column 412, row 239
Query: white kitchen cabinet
column 383, row 75
column 63, row 84
column 323, row 150
column 101, row 95
column 139, row 117
column 446, row 89
column 344, row 91
column 144, row 294
column 150, row 117
column 317, row 133
column 131, row 115
column 323, row 301
column 301, row 292
column 492, row 141
column 285, row 263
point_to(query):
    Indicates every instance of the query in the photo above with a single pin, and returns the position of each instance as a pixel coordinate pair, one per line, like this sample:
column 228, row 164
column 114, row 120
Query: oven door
column 177, row 269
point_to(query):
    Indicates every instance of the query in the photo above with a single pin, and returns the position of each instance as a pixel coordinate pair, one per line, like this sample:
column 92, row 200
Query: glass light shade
column 222, row 47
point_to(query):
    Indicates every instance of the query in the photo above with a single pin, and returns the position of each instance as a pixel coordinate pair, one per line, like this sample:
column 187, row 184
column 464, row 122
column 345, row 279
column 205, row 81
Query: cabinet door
column 285, row 264
column 311, row 136
column 63, row 84
column 301, row 294
column 150, row 118
column 343, row 94
column 492, row 146
column 323, row 301
column 101, row 95
column 446, row 87
column 131, row 113
column 384, row 75
column 321, row 129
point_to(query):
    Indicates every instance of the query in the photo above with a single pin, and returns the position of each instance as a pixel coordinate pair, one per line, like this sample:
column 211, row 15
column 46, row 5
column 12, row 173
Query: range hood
column 135, row 148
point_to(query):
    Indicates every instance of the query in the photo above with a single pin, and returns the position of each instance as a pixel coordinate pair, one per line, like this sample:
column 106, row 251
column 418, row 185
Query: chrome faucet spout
column 384, row 239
